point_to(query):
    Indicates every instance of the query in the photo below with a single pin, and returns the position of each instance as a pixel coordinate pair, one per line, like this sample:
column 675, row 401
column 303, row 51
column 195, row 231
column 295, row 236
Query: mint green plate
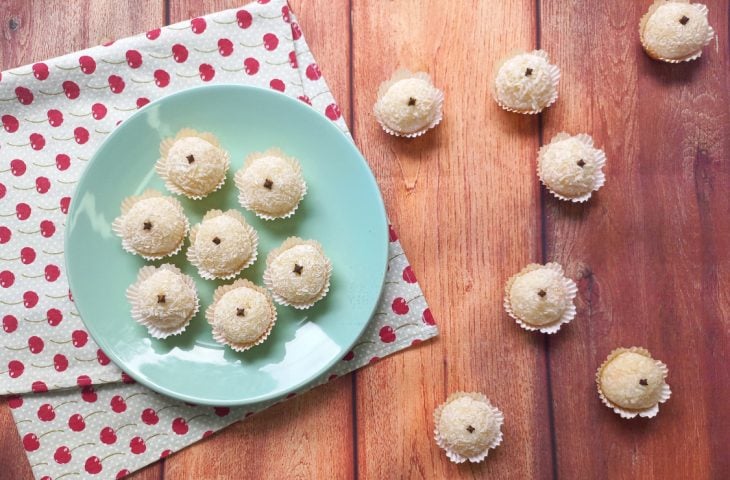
column 343, row 210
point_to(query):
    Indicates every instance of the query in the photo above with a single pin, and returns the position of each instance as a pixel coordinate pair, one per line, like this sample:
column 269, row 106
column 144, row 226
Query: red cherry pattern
column 62, row 455
column 387, row 334
column 251, row 66
column 17, row 167
column 71, row 90
column 10, row 123
column 133, row 58
column 277, row 84
column 207, row 72
column 60, row 362
column 198, row 25
column 153, row 34
column 118, row 404
column 87, row 64
column 10, row 323
column 179, row 53
column 225, row 47
column 313, row 72
column 40, row 71
column 244, row 19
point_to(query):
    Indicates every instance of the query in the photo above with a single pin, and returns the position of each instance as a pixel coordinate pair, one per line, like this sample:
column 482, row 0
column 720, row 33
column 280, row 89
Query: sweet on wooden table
column 647, row 250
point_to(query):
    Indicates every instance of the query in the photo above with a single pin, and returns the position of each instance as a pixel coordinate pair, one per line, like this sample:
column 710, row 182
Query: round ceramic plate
column 343, row 210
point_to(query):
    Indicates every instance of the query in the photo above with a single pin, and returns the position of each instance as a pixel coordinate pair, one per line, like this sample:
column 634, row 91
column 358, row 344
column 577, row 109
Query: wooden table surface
column 649, row 251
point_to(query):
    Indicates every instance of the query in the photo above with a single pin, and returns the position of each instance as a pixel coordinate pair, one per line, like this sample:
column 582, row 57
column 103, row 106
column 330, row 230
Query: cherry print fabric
column 85, row 417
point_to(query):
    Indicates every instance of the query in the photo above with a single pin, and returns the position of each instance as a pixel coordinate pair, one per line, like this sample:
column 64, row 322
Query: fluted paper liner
column 133, row 297
column 210, row 314
column 161, row 165
column 403, row 74
column 600, row 158
column 553, row 71
column 441, row 442
column 624, row 412
column 701, row 9
column 287, row 244
column 127, row 204
column 192, row 253
column 569, row 313
column 271, row 152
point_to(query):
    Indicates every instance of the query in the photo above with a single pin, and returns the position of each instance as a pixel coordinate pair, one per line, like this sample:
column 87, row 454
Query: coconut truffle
column 540, row 297
column 632, row 383
column 467, row 426
column 151, row 225
column 242, row 315
column 270, row 184
column 163, row 299
column 298, row 273
column 571, row 167
column 526, row 83
column 192, row 164
column 222, row 245
column 675, row 31
column 408, row 104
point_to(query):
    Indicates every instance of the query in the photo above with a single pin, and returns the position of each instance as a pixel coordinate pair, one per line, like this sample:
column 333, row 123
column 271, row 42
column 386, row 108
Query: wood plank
column 12, row 455
column 650, row 250
column 295, row 439
column 465, row 202
column 25, row 31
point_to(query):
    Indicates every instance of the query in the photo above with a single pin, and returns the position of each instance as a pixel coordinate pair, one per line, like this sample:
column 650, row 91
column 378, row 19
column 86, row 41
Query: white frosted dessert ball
column 526, row 83
column 270, row 184
column 675, row 31
column 408, row 104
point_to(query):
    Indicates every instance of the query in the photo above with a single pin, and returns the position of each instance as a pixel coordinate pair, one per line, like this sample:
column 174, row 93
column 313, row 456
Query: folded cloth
column 86, row 416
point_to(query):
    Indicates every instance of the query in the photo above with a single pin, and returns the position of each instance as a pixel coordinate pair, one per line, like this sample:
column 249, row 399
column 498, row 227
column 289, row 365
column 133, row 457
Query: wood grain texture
column 650, row 250
column 12, row 455
column 464, row 200
column 293, row 440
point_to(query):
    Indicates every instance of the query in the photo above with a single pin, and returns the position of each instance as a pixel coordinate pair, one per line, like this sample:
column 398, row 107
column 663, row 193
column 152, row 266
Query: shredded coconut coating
column 532, row 307
column 233, row 249
column 561, row 171
column 204, row 173
column 285, row 186
column 622, row 378
column 456, row 419
column 255, row 319
column 666, row 37
column 166, row 226
column 409, row 105
column 518, row 91
column 179, row 304
column 303, row 287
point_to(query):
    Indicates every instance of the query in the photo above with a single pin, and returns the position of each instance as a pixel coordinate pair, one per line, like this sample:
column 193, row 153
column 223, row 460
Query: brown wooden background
column 649, row 251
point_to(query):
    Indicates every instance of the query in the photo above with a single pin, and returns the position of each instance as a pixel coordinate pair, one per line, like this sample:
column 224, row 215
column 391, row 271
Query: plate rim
column 103, row 344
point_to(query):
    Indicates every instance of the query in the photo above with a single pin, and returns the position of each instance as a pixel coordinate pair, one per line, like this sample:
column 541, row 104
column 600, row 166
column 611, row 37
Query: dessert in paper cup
column 540, row 298
column 526, row 83
column 571, row 167
column 298, row 273
column 192, row 164
column 467, row 426
column 151, row 225
column 631, row 383
column 408, row 104
column 222, row 245
column 163, row 299
column 270, row 184
column 242, row 315
column 675, row 31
